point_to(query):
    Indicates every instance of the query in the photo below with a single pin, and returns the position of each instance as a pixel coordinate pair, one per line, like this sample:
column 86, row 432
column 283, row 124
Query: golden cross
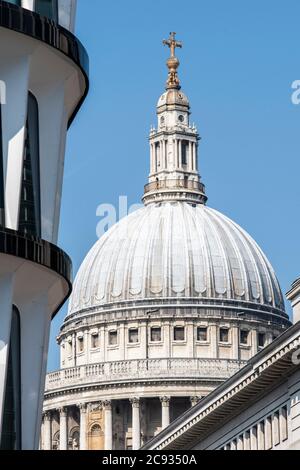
column 172, row 43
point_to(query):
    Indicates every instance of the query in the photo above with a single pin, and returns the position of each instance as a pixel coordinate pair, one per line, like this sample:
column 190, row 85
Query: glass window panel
column 224, row 335
column 47, row 8
column 155, row 335
column 244, row 336
column 202, row 334
column 133, row 336
column 179, row 333
column 113, row 338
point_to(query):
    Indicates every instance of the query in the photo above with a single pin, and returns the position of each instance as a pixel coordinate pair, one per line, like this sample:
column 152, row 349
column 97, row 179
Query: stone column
column 176, row 154
column 180, row 153
column 83, row 412
column 194, row 156
column 194, row 400
column 74, row 339
column 191, row 337
column 235, row 343
column 165, row 412
column 214, row 334
column 165, row 154
column 47, row 437
column 86, row 346
column 261, row 436
column 63, row 429
column 190, row 156
column 254, row 342
column 136, row 424
column 108, row 439
column 253, row 438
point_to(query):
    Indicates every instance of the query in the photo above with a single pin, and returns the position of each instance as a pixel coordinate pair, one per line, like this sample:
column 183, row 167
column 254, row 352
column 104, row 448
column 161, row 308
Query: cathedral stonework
column 168, row 304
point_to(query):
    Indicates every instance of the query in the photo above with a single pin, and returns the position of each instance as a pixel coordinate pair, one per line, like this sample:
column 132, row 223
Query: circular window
column 162, row 120
column 181, row 118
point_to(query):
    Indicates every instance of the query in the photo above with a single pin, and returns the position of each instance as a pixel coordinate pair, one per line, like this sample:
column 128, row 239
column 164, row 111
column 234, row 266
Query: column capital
column 63, row 411
column 195, row 400
column 47, row 415
column 165, row 401
column 82, row 407
column 107, row 404
column 135, row 402
column 96, row 406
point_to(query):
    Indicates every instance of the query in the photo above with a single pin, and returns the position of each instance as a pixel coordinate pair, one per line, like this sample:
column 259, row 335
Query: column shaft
column 63, row 429
column 83, row 412
column 165, row 412
column 47, row 444
column 136, row 425
column 108, row 440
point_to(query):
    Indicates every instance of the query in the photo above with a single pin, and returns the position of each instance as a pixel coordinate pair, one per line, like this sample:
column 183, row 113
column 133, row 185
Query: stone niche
column 96, row 428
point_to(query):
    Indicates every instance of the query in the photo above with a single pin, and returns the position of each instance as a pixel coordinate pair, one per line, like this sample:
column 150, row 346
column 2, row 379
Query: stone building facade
column 168, row 304
column 256, row 409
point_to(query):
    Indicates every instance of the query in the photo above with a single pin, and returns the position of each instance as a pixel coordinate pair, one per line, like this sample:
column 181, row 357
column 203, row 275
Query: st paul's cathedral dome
column 168, row 304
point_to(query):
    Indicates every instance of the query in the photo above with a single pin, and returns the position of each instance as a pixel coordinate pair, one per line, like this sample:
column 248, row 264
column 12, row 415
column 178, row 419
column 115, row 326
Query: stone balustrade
column 143, row 369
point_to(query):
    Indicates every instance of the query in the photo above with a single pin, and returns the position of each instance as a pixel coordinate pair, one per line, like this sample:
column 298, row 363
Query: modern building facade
column 43, row 81
column 257, row 409
column 168, row 304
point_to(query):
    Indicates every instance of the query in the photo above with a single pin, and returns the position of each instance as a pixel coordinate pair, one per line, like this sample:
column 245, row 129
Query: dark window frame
column 156, row 328
column 30, row 195
column 132, row 331
column 202, row 329
column 113, row 334
column 243, row 341
column 177, row 329
column 221, row 331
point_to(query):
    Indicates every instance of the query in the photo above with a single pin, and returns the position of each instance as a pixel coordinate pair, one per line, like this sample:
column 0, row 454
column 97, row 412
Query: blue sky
column 237, row 66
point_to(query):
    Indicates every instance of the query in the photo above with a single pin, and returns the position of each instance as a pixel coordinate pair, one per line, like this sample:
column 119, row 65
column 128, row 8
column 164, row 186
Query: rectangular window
column 179, row 333
column 30, row 206
column 224, row 335
column 184, row 152
column 155, row 335
column 95, row 341
column 113, row 338
column 133, row 336
column 244, row 337
column 202, row 334
column 261, row 340
column 80, row 344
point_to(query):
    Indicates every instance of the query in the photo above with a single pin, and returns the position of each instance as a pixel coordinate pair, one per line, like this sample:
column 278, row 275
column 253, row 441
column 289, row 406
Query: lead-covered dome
column 175, row 251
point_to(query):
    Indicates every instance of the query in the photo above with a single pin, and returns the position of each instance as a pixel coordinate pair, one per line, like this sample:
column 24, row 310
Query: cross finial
column 172, row 62
column 172, row 43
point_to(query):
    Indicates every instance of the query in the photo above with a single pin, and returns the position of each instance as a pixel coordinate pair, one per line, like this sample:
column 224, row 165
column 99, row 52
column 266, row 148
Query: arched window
column 96, row 430
column 11, row 431
column 55, row 441
column 74, row 441
column 30, row 207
